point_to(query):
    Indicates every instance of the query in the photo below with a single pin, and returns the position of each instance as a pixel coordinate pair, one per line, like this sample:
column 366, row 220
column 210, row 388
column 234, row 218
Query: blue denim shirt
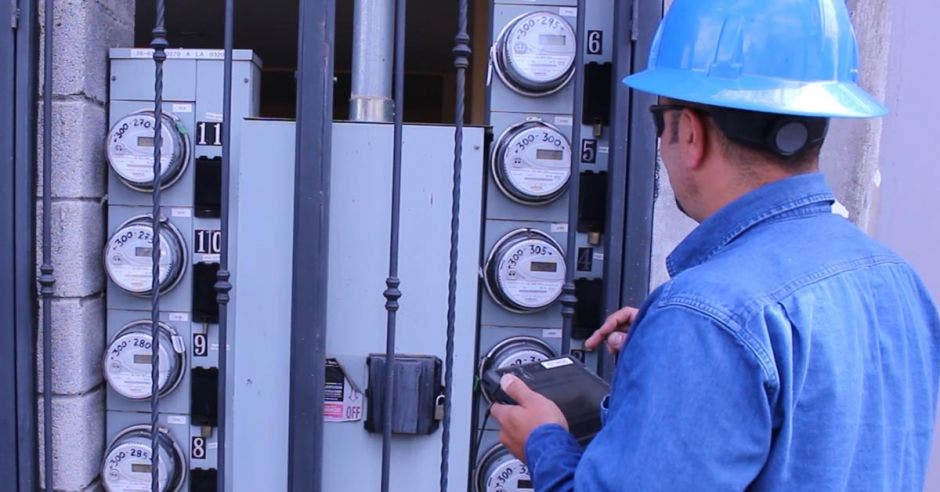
column 788, row 352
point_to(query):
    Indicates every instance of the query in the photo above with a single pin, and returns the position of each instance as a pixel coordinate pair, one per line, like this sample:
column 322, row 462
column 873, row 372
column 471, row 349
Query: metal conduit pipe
column 373, row 37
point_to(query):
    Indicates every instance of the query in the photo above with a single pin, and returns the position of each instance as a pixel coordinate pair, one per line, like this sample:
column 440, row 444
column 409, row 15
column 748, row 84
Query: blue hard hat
column 795, row 57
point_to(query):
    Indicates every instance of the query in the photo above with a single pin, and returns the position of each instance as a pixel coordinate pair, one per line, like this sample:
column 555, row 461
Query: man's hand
column 516, row 422
column 613, row 331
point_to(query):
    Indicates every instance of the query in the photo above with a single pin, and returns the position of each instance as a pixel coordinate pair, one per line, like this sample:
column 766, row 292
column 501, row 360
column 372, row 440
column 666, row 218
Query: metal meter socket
column 499, row 471
column 534, row 53
column 127, row 256
column 532, row 163
column 525, row 271
column 130, row 147
column 128, row 364
column 510, row 352
column 127, row 462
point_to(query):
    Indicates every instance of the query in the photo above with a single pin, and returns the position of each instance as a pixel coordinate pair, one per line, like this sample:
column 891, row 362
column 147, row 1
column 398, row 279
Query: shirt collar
column 783, row 197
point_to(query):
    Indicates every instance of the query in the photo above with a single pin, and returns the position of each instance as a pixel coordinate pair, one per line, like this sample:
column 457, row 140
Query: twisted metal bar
column 568, row 298
column 392, row 294
column 159, row 45
column 222, row 285
column 462, row 54
column 47, row 277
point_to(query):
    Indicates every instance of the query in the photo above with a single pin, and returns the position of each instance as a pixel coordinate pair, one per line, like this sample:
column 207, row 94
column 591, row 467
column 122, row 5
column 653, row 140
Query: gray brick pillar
column 84, row 30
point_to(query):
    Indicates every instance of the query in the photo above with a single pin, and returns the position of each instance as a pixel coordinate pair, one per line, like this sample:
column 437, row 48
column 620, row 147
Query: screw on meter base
column 532, row 163
column 534, row 54
column 499, row 471
column 128, row 260
column 127, row 361
column 525, row 271
column 513, row 351
column 129, row 150
column 127, row 462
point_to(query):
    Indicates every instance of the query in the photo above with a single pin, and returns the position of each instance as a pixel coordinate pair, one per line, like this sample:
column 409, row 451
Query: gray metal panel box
column 359, row 232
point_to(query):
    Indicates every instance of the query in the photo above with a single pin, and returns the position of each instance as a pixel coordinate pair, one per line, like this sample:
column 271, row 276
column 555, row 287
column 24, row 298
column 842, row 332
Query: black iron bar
column 159, row 45
column 26, row 128
column 316, row 27
column 392, row 293
column 462, row 54
column 47, row 277
column 568, row 299
column 617, row 172
column 223, row 285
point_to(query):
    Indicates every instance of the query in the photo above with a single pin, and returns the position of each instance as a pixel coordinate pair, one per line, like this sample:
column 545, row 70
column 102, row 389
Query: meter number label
column 589, row 150
column 198, row 451
column 200, row 345
column 209, row 133
column 208, row 241
column 595, row 42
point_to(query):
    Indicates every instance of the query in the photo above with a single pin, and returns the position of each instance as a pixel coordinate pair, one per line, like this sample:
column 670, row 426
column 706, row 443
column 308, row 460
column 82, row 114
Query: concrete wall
column 910, row 169
column 84, row 30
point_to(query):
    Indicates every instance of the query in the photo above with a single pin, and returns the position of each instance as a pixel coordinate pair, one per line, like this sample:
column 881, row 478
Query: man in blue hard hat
column 789, row 351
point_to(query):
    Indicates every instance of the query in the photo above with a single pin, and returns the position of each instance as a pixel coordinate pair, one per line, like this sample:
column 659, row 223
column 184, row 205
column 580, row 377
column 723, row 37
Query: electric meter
column 532, row 163
column 534, row 54
column 130, row 145
column 499, row 471
column 127, row 363
column 127, row 462
column 513, row 351
column 128, row 261
column 525, row 271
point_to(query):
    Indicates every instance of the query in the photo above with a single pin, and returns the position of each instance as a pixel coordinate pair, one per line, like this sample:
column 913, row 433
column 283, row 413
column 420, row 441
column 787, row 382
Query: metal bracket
column 14, row 15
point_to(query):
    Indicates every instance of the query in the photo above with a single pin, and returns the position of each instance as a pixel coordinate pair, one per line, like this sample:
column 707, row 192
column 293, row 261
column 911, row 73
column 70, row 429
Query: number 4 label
column 595, row 42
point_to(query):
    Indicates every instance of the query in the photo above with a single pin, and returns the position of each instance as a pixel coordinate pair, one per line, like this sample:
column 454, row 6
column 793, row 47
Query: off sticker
column 342, row 400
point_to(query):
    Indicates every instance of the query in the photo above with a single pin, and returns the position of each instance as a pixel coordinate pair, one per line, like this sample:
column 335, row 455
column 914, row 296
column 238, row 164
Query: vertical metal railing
column 568, row 298
column 617, row 170
column 27, row 44
column 159, row 45
column 392, row 293
column 311, row 243
column 222, row 285
column 47, row 273
column 462, row 54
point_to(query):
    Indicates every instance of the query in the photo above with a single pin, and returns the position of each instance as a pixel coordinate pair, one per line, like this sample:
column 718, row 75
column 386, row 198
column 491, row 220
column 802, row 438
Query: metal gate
column 629, row 201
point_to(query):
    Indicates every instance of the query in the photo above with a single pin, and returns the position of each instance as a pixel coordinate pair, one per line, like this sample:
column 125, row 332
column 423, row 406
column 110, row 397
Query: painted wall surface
column 906, row 216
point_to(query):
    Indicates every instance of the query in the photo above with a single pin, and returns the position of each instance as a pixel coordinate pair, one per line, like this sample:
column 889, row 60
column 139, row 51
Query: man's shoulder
column 767, row 265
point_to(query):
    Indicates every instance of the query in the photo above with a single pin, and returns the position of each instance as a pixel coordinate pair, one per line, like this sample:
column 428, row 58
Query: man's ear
column 693, row 137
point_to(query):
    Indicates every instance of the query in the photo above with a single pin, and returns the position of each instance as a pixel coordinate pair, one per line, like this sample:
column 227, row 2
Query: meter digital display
column 534, row 53
column 127, row 256
column 129, row 149
column 127, row 462
column 128, row 362
column 499, row 471
column 532, row 163
column 525, row 271
column 513, row 351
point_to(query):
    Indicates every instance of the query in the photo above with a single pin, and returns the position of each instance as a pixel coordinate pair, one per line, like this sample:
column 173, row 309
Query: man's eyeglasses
column 659, row 110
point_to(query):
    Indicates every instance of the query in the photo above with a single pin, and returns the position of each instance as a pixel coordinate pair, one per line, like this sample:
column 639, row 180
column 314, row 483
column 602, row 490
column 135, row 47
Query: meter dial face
column 127, row 363
column 534, row 54
column 513, row 351
column 525, row 271
column 127, row 256
column 532, row 163
column 499, row 471
column 127, row 463
column 130, row 150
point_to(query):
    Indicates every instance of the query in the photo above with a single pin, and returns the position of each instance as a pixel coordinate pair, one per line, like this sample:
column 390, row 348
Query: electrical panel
column 190, row 234
column 526, row 214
